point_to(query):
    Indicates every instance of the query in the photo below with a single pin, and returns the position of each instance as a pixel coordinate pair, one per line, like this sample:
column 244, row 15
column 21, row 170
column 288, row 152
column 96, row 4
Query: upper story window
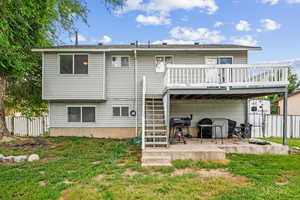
column 81, row 114
column 120, row 61
column 214, row 60
column 161, row 62
column 73, row 64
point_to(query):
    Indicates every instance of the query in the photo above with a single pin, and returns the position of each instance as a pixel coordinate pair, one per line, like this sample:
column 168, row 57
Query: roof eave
column 141, row 49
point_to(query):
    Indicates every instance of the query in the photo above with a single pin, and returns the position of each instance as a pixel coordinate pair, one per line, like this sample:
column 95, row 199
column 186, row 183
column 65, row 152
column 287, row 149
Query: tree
column 25, row 24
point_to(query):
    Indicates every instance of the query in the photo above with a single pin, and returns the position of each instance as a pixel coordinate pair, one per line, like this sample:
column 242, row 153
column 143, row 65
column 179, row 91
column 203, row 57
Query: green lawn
column 92, row 169
column 290, row 142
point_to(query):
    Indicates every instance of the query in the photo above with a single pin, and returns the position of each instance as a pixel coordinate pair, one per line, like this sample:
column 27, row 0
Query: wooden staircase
column 155, row 126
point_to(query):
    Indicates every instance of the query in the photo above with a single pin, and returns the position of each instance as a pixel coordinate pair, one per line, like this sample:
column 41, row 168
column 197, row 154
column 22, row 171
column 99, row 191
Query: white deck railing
column 235, row 75
column 143, row 113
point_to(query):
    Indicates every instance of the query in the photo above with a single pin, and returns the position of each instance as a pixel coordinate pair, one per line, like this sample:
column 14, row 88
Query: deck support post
column 246, row 120
column 285, row 116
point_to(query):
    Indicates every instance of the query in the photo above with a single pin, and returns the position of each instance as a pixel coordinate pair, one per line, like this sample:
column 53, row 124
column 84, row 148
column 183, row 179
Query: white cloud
column 258, row 30
column 218, row 24
column 173, row 41
column 293, row 1
column 246, row 40
column 106, row 39
column 270, row 25
column 203, row 35
column 271, row 2
column 209, row 6
column 81, row 38
column 243, row 26
column 153, row 20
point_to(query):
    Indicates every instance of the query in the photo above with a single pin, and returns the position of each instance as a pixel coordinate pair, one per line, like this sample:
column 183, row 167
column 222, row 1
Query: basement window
column 73, row 64
column 120, row 61
column 81, row 114
column 120, row 111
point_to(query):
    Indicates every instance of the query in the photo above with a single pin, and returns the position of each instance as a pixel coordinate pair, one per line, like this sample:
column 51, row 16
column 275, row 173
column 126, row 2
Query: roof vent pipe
column 76, row 38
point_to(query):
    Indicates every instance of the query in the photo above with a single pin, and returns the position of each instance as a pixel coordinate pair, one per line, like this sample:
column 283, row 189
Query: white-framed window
column 81, row 114
column 120, row 111
column 215, row 60
column 162, row 61
column 120, row 61
column 73, row 63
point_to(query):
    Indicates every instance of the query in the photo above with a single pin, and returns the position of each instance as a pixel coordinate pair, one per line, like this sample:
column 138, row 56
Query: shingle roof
column 156, row 46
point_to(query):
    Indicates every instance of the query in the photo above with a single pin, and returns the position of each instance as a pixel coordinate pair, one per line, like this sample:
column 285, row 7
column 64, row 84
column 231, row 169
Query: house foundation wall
column 95, row 132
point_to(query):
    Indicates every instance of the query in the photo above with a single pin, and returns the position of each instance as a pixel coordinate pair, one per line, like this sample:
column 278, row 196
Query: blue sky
column 271, row 24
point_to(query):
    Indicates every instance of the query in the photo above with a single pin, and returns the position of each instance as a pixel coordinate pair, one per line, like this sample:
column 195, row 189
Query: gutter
column 140, row 49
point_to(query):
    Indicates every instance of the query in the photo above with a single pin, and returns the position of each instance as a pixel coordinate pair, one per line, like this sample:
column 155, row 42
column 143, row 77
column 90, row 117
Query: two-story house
column 121, row 91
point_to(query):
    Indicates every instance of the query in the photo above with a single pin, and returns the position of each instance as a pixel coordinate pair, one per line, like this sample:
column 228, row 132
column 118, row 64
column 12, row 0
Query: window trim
column 217, row 57
column 120, row 106
column 164, row 56
column 80, row 106
column 120, row 56
column 73, row 63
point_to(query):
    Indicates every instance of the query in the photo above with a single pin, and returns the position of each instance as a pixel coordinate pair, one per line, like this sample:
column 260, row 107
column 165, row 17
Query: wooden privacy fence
column 271, row 125
column 22, row 126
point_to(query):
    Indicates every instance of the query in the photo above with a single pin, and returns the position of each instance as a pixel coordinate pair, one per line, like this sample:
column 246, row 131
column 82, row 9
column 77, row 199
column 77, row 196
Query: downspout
column 135, row 92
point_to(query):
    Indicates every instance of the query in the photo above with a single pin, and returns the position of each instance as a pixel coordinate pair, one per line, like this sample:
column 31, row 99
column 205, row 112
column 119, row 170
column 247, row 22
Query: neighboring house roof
column 290, row 95
column 131, row 47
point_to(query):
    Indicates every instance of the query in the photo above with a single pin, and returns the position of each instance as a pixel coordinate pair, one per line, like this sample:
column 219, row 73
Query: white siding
column 78, row 86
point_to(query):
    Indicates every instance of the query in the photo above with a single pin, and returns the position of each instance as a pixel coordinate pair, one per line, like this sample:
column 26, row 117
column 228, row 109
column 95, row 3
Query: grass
column 291, row 142
column 91, row 169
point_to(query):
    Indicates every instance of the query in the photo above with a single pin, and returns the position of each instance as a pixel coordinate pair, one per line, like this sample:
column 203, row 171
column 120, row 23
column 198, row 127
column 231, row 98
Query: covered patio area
column 217, row 104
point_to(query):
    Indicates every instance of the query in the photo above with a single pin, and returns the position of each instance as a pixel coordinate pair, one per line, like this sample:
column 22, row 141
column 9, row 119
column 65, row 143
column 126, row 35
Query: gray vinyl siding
column 58, row 86
column 146, row 65
column 229, row 109
column 104, row 117
column 120, row 81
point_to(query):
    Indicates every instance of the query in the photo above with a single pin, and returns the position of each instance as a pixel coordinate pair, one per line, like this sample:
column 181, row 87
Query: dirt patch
column 8, row 139
column 283, row 183
column 130, row 172
column 32, row 143
column 42, row 183
column 48, row 159
column 42, row 172
column 66, row 181
column 99, row 177
column 217, row 173
column 96, row 162
column 294, row 152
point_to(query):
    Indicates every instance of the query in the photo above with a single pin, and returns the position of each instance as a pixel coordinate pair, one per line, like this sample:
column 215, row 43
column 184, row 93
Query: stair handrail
column 143, row 111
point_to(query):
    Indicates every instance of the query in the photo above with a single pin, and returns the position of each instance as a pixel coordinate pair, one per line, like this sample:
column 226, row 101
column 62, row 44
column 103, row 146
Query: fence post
column 27, row 126
column 291, row 127
column 263, row 124
column 43, row 125
column 12, row 123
